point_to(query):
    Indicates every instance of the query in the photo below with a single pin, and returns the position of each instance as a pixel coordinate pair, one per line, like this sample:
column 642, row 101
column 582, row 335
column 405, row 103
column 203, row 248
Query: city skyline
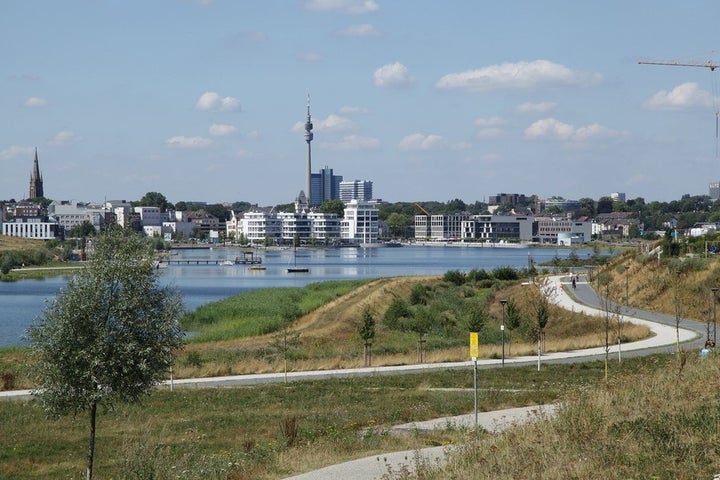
column 207, row 99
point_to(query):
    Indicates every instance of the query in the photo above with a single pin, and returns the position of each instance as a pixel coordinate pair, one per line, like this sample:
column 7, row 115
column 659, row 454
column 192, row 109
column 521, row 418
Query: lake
column 23, row 301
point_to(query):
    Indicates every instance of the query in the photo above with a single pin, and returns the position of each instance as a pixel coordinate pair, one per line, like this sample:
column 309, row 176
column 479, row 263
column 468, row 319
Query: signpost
column 474, row 353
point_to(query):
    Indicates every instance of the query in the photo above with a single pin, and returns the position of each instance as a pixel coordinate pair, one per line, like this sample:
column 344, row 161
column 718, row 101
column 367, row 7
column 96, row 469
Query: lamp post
column 502, row 331
column 627, row 296
column 714, row 290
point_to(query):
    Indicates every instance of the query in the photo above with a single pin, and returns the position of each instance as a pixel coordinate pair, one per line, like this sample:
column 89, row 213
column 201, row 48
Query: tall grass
column 653, row 424
column 244, row 432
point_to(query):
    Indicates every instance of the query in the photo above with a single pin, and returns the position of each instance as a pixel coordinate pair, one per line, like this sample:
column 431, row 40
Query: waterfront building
column 440, row 227
column 360, row 190
column 513, row 199
column 563, row 231
column 496, row 228
column 360, row 223
column 36, row 228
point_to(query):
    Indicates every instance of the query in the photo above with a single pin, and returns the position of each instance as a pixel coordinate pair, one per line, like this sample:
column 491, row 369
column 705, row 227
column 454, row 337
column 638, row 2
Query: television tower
column 308, row 139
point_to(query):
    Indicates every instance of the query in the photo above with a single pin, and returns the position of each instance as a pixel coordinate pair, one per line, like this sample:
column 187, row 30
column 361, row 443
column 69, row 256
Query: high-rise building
column 36, row 181
column 324, row 186
column 361, row 190
column 715, row 190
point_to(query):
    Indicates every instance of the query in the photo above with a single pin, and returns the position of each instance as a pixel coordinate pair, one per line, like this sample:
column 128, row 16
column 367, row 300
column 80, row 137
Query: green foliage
column 454, row 276
column 367, row 325
column 333, row 206
column 396, row 312
column 419, row 295
column 109, row 335
column 153, row 199
column 505, row 273
column 259, row 312
column 477, row 317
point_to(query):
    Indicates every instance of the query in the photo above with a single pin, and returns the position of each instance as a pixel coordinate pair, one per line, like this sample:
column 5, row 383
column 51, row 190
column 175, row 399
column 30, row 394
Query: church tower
column 36, row 181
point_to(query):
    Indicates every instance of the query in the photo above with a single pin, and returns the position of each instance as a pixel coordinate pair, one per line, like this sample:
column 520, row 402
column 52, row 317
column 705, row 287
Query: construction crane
column 712, row 66
column 421, row 208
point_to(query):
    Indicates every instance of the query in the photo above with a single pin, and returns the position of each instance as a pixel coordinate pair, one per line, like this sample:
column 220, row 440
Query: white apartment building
column 496, row 228
column 31, row 227
column 563, row 231
column 360, row 224
column 440, row 227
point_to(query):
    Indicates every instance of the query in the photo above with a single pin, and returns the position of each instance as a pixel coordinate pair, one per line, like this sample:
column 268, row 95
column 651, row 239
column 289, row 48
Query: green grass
column 236, row 432
column 260, row 311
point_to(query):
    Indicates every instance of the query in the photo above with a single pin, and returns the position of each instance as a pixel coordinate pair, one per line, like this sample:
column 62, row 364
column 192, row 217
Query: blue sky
column 430, row 100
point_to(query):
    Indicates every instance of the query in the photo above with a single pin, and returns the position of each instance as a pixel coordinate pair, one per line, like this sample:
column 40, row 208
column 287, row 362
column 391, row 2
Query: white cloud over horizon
column 539, row 107
column 393, row 75
column 684, row 96
column 180, row 141
column 212, row 102
column 519, row 75
column 555, row 129
column 16, row 151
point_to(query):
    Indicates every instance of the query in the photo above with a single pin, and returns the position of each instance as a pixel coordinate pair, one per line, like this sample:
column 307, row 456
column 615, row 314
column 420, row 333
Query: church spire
column 36, row 181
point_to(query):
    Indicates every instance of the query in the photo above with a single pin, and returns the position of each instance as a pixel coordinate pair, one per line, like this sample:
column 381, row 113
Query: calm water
column 22, row 302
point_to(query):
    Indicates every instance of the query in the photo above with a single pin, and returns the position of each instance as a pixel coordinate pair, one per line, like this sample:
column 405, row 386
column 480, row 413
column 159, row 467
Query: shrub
column 505, row 273
column 454, row 276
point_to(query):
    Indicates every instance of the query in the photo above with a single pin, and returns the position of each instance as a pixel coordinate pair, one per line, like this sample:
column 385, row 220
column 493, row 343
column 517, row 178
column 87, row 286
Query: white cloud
column 253, row 134
column 539, row 107
column 36, row 102
column 180, row 141
column 352, row 7
column 362, row 30
column 686, row 95
column 418, row 141
column 552, row 128
column 211, row 101
column 65, row 137
column 393, row 75
column 220, row 130
column 352, row 142
column 333, row 123
column 520, row 75
column 308, row 57
column 15, row 151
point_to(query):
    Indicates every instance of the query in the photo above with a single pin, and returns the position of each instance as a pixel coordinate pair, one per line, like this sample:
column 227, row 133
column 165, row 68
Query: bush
column 505, row 273
column 454, row 276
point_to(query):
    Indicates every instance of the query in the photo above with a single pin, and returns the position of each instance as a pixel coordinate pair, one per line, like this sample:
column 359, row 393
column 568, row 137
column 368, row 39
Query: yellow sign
column 474, row 350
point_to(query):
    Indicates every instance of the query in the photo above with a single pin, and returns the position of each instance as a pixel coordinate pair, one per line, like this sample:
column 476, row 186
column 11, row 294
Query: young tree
column 109, row 336
column 367, row 332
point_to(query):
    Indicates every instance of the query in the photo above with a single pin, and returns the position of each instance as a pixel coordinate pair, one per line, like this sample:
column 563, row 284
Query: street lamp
column 714, row 290
column 502, row 331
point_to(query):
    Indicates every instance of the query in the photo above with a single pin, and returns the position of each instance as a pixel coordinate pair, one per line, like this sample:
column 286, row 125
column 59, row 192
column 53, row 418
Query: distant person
column 709, row 345
column 574, row 283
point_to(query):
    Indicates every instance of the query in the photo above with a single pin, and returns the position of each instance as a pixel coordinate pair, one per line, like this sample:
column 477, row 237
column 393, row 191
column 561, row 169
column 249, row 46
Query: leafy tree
column 455, row 206
column 109, row 336
column 399, row 223
column 153, row 199
column 333, row 206
column 477, row 318
column 85, row 229
column 181, row 206
column 605, row 205
column 217, row 210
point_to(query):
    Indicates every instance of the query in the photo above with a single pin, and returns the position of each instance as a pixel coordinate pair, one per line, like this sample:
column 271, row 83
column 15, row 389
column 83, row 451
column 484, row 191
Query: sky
column 205, row 100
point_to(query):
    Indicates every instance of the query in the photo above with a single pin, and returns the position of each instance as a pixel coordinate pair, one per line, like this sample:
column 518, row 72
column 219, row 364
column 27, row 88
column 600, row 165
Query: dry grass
column 16, row 243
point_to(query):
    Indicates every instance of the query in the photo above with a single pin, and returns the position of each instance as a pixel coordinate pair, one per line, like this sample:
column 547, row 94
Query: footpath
column 665, row 336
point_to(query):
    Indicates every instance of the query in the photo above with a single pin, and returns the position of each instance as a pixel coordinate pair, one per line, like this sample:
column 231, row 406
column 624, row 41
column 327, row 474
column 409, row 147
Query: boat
column 257, row 267
column 227, row 262
column 294, row 268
